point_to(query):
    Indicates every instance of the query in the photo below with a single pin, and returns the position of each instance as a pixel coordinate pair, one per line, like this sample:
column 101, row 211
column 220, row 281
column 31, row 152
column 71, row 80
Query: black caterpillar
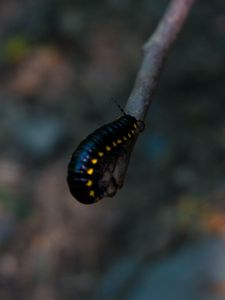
column 92, row 171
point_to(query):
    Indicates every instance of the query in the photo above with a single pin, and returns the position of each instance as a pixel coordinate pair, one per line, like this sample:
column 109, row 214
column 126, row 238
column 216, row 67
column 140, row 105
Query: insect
column 95, row 167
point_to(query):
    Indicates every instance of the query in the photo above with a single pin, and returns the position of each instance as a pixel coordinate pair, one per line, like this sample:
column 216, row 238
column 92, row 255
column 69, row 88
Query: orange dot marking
column 92, row 193
column 94, row 161
column 90, row 171
column 89, row 183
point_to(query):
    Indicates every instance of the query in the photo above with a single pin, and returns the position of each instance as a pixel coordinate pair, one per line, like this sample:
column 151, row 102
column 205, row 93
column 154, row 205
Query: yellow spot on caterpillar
column 92, row 193
column 94, row 161
column 132, row 131
column 135, row 125
column 119, row 141
column 90, row 171
column 129, row 135
column 100, row 154
column 108, row 148
column 89, row 183
column 114, row 144
column 125, row 139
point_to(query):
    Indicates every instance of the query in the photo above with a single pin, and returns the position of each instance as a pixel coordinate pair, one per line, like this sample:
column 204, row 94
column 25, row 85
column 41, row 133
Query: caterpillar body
column 93, row 169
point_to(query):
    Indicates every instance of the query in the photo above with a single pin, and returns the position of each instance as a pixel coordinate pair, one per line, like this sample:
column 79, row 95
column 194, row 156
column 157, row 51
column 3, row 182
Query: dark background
column 162, row 236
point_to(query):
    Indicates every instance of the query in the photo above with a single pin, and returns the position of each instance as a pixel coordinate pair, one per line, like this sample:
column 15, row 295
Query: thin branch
column 155, row 52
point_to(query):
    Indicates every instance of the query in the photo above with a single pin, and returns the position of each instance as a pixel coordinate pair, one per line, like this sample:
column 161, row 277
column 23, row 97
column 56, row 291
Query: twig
column 155, row 52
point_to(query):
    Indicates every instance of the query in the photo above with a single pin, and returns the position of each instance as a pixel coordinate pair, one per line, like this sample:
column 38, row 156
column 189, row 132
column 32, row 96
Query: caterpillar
column 93, row 171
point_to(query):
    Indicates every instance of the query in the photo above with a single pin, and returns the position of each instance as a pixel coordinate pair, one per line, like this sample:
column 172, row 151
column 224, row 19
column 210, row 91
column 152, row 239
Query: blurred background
column 163, row 235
